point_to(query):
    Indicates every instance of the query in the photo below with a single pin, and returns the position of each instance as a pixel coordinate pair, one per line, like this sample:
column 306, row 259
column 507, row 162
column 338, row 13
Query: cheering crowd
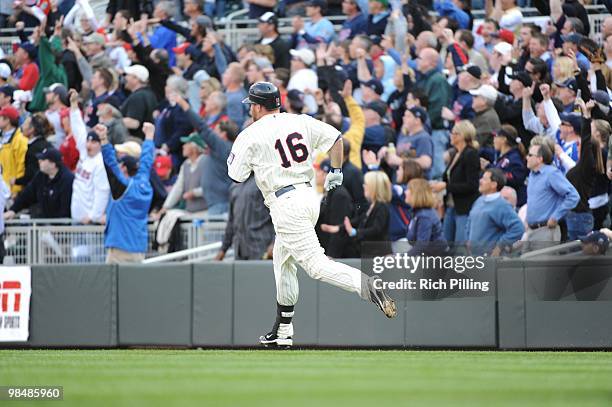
column 495, row 134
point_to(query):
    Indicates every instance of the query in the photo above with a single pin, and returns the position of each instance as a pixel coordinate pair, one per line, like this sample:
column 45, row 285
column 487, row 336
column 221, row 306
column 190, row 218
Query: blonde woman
column 373, row 225
column 562, row 69
column 425, row 230
column 460, row 180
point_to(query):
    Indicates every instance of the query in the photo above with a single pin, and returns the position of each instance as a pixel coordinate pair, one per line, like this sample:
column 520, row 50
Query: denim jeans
column 440, row 140
column 218, row 209
column 454, row 226
column 578, row 224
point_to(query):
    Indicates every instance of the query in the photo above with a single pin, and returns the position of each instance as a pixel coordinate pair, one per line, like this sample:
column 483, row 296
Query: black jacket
column 334, row 207
column 373, row 227
column 53, row 195
column 31, row 162
column 282, row 58
column 353, row 182
column 463, row 180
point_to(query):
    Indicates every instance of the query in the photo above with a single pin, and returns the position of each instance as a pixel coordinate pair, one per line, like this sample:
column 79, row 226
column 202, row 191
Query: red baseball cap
column 181, row 48
column 163, row 165
column 506, row 35
column 10, row 112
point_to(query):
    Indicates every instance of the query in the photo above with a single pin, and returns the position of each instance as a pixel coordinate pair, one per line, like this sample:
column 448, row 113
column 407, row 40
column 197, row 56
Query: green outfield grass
column 312, row 378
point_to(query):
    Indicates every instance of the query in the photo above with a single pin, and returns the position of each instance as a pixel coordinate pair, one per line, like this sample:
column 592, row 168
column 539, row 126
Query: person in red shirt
column 27, row 74
column 70, row 153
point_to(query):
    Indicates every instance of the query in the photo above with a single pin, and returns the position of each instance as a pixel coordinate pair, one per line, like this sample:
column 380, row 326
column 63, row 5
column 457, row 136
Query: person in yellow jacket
column 356, row 131
column 14, row 146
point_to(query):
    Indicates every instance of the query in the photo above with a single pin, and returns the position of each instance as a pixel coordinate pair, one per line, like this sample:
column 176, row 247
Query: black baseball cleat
column 273, row 340
column 382, row 299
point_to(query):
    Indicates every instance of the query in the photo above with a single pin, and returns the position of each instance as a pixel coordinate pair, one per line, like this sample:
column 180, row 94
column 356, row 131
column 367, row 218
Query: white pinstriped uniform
column 295, row 213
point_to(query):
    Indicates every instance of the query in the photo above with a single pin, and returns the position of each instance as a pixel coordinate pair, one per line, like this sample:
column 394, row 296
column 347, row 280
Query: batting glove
column 334, row 179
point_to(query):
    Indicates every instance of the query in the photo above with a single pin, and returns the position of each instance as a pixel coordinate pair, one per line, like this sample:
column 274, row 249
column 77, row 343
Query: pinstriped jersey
column 280, row 149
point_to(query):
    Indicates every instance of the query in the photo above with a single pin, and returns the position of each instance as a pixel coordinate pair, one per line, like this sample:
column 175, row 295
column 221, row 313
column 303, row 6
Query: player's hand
column 149, row 130
column 333, row 180
column 552, row 223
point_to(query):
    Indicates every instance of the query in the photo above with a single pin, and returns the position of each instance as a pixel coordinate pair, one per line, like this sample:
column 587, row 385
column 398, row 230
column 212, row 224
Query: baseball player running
column 280, row 148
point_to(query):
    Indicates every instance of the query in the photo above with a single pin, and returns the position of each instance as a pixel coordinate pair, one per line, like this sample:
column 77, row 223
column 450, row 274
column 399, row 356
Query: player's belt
column 537, row 225
column 288, row 188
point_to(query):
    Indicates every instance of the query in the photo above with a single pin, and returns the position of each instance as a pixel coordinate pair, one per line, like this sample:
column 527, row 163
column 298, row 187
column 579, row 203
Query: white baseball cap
column 138, row 71
column 486, row 91
column 5, row 71
column 306, row 55
column 503, row 48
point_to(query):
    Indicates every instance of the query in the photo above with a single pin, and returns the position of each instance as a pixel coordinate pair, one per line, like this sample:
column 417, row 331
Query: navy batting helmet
column 265, row 94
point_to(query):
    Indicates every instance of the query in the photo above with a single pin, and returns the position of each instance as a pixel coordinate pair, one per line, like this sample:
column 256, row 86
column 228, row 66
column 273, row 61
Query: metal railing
column 58, row 241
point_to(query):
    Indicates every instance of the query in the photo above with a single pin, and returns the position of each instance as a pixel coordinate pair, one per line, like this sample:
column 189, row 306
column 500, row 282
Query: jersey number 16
column 297, row 149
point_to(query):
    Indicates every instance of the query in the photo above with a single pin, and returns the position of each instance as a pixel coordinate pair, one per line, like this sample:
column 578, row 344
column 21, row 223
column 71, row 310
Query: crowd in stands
column 489, row 133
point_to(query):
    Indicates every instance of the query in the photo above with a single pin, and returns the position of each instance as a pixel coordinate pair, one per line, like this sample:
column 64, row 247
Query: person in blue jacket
column 126, row 233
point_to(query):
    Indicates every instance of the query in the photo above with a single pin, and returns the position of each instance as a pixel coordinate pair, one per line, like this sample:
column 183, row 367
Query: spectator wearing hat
column 186, row 57
column 595, row 243
column 68, row 148
column 97, row 58
column 468, row 79
column 50, row 70
column 510, row 159
column 550, row 196
column 465, row 38
column 376, row 135
column 460, row 181
column 493, row 225
column 138, row 107
column 485, row 119
column 602, row 109
column 163, row 168
column 547, row 120
column 378, row 16
column 56, row 97
column 568, row 140
column 90, row 190
column 126, row 233
column 219, row 140
column 36, row 128
column 317, row 30
column 509, row 108
column 13, row 148
column 163, row 37
column 356, row 21
column 26, row 73
column 233, row 81
column 434, row 84
column 109, row 115
column 51, row 188
column 6, row 96
column 566, row 92
column 5, row 74
column 414, row 141
column 294, row 102
column 371, row 90
column 268, row 28
column 302, row 77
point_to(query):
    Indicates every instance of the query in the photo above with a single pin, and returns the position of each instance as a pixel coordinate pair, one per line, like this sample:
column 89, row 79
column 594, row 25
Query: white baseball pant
column 294, row 215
